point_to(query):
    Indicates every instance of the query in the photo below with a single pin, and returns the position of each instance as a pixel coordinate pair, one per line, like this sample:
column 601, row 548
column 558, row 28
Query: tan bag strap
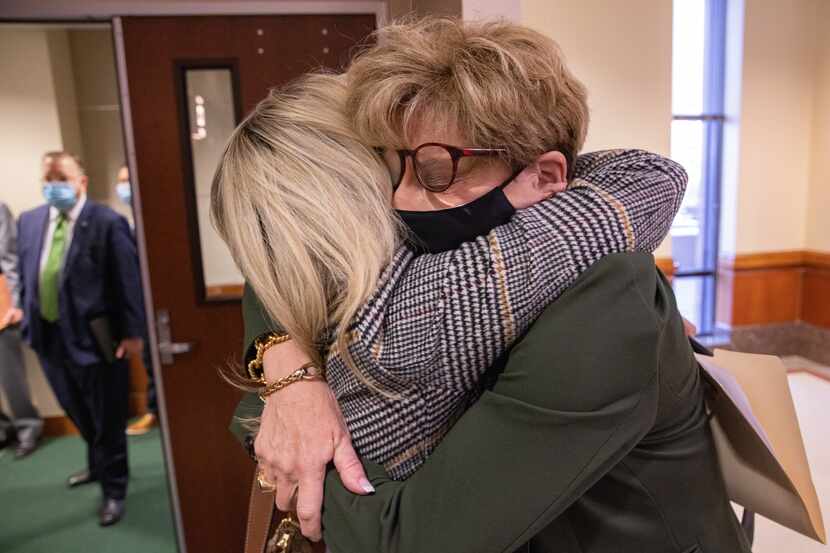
column 260, row 511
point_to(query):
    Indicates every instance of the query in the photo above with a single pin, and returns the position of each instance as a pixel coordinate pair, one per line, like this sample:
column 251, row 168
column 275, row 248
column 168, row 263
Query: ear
column 83, row 180
column 552, row 168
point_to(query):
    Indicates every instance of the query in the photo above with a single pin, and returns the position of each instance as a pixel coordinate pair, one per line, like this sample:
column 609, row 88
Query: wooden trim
column 763, row 260
column 59, row 426
column 817, row 260
column 774, row 287
column 815, row 297
column 224, row 291
column 666, row 265
column 772, row 260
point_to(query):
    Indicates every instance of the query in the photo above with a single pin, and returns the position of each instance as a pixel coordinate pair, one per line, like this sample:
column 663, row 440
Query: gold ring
column 264, row 484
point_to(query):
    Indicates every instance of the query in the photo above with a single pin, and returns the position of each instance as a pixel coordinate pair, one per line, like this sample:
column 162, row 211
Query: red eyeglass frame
column 455, row 154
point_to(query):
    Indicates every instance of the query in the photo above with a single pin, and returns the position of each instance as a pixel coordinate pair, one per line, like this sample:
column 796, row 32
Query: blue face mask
column 124, row 192
column 60, row 195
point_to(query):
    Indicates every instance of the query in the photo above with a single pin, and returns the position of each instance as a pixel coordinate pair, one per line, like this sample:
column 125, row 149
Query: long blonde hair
column 305, row 209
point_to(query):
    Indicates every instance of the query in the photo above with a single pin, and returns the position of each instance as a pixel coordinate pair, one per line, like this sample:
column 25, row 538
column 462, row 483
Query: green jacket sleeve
column 577, row 394
column 257, row 323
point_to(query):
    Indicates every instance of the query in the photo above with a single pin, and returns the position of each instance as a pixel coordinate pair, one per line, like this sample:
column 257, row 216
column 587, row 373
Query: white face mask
column 125, row 192
column 60, row 194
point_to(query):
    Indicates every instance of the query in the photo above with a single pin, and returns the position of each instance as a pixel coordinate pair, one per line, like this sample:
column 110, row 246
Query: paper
column 758, row 440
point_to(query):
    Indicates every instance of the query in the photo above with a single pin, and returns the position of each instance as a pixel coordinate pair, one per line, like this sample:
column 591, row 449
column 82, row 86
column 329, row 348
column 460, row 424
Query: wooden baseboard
column 59, row 426
column 815, row 296
column 774, row 287
column 817, row 260
column 762, row 260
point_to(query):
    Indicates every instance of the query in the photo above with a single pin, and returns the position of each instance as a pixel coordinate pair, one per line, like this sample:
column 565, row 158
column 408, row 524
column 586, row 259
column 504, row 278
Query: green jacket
column 593, row 439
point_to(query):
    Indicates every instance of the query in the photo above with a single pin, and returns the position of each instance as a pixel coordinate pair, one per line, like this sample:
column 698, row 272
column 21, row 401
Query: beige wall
column 776, row 115
column 30, row 123
column 30, row 126
column 622, row 52
column 63, row 75
column 818, row 202
column 482, row 9
column 96, row 86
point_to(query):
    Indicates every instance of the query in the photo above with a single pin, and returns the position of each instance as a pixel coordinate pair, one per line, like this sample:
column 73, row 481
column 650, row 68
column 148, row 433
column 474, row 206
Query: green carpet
column 39, row 514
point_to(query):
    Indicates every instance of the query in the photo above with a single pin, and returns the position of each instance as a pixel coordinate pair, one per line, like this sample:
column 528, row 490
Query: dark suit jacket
column 594, row 439
column 100, row 277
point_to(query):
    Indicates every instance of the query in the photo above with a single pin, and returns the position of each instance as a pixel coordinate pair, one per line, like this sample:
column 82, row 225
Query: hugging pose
column 457, row 309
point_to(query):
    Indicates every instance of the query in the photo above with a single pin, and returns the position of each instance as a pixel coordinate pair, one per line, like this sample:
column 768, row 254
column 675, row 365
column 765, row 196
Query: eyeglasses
column 435, row 165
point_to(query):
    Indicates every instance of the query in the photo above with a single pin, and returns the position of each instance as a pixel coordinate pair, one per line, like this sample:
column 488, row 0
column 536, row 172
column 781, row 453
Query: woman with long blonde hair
column 305, row 210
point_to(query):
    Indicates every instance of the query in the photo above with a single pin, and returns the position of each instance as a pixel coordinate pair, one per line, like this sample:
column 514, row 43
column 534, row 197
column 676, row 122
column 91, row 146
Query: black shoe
column 23, row 449
column 111, row 511
column 5, row 442
column 80, row 478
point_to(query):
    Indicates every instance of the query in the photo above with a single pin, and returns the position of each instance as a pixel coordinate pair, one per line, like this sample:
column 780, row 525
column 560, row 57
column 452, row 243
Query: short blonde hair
column 305, row 210
column 500, row 84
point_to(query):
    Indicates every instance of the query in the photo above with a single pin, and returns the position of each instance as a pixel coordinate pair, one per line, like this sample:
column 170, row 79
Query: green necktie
column 51, row 272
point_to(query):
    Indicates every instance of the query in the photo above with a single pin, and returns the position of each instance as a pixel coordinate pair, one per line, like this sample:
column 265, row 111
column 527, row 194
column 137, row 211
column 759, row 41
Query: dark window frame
column 180, row 69
column 713, row 118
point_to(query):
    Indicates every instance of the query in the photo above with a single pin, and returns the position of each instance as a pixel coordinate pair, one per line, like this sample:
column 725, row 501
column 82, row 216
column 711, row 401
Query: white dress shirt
column 71, row 216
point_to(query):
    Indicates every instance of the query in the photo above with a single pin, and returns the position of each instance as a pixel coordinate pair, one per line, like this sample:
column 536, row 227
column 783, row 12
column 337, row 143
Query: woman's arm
column 538, row 440
column 448, row 316
column 300, row 432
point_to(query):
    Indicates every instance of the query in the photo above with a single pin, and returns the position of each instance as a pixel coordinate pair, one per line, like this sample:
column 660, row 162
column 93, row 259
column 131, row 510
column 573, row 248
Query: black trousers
column 95, row 397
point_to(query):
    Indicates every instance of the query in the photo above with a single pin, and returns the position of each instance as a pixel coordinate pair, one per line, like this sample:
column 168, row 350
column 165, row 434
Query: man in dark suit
column 83, row 315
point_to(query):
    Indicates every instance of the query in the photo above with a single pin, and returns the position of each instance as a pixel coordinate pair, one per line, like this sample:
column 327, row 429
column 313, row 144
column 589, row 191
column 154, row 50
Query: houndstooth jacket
column 437, row 322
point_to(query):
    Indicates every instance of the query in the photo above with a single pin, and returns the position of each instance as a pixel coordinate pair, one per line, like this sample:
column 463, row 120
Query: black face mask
column 446, row 229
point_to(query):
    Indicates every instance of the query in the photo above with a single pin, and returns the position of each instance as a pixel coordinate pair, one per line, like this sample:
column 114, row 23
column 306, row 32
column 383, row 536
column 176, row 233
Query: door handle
column 166, row 346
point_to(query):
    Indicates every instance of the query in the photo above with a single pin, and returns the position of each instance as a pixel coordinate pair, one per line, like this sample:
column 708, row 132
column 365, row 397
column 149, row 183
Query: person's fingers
column 286, row 493
column 310, row 505
column 350, row 468
column 689, row 328
column 119, row 353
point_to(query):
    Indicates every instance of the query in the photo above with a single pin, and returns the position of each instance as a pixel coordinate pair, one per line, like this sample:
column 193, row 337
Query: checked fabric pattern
column 437, row 322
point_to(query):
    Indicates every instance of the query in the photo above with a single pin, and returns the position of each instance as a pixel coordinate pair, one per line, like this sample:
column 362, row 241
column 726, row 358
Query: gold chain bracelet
column 263, row 344
column 303, row 373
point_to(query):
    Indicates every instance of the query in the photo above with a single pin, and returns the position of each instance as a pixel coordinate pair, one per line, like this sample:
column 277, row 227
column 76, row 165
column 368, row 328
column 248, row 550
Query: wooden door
column 212, row 473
